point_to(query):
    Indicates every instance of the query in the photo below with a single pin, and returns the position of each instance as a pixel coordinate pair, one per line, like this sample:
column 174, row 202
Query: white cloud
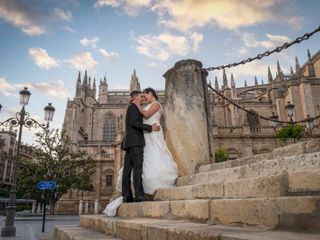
column 131, row 7
column 62, row 15
column 82, row 61
column 186, row 15
column 107, row 3
column 152, row 64
column 42, row 59
column 108, row 54
column 6, row 88
column 90, row 42
column 249, row 40
column 69, row 29
column 163, row 46
column 15, row 13
column 196, row 40
column 55, row 89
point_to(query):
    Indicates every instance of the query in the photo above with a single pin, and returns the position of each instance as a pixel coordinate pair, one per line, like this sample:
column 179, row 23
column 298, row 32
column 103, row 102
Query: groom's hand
column 155, row 127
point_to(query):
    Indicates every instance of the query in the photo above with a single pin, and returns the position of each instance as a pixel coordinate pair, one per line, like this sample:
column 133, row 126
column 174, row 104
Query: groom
column 133, row 143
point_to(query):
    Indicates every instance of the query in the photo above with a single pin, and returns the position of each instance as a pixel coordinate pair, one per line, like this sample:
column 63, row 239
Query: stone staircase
column 268, row 196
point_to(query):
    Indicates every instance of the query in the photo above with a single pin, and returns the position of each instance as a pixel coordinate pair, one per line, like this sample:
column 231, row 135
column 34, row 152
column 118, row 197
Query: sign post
column 45, row 185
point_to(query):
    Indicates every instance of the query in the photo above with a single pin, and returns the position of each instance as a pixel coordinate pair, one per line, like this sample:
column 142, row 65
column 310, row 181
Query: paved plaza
column 29, row 228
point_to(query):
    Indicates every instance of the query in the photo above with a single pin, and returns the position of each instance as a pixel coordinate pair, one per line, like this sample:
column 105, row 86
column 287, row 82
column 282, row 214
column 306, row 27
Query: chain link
column 304, row 37
column 261, row 117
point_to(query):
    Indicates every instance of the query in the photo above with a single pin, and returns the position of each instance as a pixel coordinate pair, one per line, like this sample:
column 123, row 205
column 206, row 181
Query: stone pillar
column 187, row 118
column 80, row 206
column 86, row 207
column 39, row 208
column 33, row 209
column 96, row 206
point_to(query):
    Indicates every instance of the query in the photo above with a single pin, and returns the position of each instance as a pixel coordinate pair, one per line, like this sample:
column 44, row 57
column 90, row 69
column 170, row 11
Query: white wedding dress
column 159, row 168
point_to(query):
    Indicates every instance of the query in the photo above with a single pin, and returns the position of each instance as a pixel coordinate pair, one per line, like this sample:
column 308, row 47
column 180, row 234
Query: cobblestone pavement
column 29, row 228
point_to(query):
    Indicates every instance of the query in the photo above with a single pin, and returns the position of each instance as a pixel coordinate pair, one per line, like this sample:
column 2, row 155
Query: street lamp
column 309, row 123
column 290, row 107
column 274, row 120
column 24, row 96
column 21, row 119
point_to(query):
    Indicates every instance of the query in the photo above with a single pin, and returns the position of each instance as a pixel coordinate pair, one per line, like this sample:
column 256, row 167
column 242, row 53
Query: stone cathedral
column 94, row 119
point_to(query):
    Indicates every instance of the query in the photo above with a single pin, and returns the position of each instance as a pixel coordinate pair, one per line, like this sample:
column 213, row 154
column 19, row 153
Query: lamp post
column 290, row 107
column 309, row 123
column 274, row 120
column 21, row 119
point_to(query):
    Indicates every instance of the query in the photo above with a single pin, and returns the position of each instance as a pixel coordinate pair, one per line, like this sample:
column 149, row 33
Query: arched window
column 109, row 127
column 253, row 121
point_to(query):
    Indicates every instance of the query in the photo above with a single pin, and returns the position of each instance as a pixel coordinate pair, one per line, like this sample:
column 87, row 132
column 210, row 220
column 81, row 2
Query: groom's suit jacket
column 134, row 128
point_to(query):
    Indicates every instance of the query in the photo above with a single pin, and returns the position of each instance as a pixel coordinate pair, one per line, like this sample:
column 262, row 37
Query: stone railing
column 95, row 142
column 244, row 130
column 88, row 206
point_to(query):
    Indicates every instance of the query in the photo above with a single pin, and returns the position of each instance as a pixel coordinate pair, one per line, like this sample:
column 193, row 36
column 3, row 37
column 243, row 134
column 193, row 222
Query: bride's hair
column 152, row 91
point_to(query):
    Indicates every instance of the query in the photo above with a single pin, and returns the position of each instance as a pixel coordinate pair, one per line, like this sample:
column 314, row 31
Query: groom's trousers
column 133, row 161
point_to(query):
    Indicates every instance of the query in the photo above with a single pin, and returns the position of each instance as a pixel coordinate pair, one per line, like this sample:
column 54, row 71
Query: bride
column 159, row 168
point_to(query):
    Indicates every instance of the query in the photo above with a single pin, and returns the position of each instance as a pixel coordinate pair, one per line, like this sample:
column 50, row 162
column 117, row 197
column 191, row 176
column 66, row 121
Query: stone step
column 161, row 229
column 297, row 182
column 301, row 162
column 69, row 232
column 304, row 147
column 299, row 212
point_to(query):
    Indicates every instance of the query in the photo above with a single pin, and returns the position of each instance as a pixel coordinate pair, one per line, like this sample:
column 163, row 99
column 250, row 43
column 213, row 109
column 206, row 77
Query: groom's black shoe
column 128, row 199
column 140, row 199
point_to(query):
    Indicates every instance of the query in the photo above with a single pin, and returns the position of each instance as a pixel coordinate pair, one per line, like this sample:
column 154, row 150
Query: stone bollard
column 33, row 209
column 39, row 207
column 80, row 207
column 187, row 118
column 96, row 206
column 86, row 207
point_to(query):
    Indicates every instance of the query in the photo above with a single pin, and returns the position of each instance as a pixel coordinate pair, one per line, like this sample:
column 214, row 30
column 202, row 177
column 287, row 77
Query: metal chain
column 262, row 117
column 304, row 37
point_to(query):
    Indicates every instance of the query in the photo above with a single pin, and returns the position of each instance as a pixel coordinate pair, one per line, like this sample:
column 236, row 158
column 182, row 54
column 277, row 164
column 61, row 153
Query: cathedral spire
column 225, row 79
column 256, row 81
column 279, row 71
column 297, row 65
column 85, row 80
column 79, row 78
column 233, row 87
column 310, row 67
column 78, row 86
column 232, row 81
column 270, row 78
column 216, row 84
column 309, row 55
column 245, row 83
column 291, row 71
column 134, row 84
column 94, row 88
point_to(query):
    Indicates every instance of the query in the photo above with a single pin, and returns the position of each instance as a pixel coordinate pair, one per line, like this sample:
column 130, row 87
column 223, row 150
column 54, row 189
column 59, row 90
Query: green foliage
column 290, row 131
column 4, row 191
column 220, row 155
column 20, row 208
column 56, row 158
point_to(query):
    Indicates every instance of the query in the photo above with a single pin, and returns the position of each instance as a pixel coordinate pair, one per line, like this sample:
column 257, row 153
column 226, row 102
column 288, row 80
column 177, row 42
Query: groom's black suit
column 133, row 143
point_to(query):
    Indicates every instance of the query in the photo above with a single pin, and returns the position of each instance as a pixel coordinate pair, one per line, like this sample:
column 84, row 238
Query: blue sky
column 45, row 43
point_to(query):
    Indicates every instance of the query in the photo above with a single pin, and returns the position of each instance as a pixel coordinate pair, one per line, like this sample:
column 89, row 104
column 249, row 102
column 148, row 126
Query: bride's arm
column 152, row 110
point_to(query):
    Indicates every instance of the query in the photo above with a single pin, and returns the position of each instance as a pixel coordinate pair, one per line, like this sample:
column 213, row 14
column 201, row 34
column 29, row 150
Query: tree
column 56, row 158
column 291, row 131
